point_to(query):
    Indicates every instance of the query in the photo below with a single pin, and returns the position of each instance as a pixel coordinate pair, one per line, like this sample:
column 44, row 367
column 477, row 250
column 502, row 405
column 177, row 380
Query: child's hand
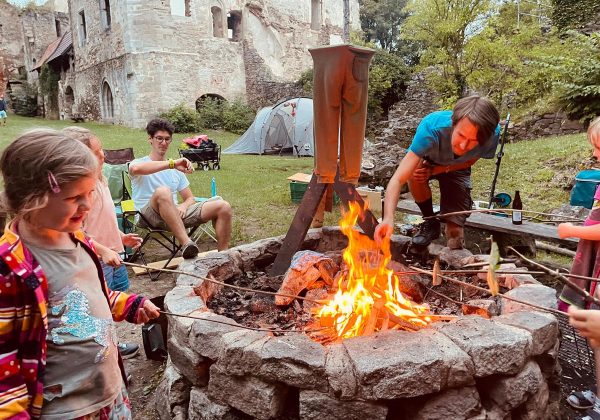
column 587, row 322
column 110, row 257
column 131, row 240
column 565, row 230
column 147, row 312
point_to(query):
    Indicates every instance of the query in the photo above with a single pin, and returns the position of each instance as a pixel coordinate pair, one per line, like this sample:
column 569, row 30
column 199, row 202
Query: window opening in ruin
column 234, row 25
column 69, row 101
column 107, row 101
column 57, row 26
column 105, row 13
column 315, row 14
column 181, row 8
column 217, row 20
column 82, row 28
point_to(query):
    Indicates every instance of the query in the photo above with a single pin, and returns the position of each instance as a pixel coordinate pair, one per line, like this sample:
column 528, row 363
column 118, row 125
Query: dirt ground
column 146, row 374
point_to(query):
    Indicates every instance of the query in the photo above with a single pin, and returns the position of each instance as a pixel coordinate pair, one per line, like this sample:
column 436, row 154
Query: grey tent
column 286, row 127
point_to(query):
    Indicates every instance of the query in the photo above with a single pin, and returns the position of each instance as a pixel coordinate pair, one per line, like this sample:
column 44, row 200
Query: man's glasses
column 162, row 139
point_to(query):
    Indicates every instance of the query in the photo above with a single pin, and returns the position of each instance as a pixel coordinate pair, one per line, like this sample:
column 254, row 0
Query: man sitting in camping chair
column 156, row 181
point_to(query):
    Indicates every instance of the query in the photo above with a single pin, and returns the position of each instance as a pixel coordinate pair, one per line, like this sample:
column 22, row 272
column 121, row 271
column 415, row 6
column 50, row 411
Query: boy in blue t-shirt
column 445, row 146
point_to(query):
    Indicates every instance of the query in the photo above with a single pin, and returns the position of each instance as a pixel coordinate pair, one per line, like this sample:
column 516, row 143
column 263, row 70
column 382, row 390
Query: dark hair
column 481, row 112
column 159, row 124
column 28, row 163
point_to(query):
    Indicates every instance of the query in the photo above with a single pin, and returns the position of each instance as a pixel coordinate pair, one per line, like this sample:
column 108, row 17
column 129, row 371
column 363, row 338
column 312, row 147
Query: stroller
column 202, row 151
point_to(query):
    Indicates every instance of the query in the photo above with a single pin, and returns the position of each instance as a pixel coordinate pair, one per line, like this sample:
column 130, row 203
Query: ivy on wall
column 49, row 79
column 571, row 14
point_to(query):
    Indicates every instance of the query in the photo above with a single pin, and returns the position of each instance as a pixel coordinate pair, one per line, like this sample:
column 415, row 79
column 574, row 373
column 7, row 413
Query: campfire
column 369, row 296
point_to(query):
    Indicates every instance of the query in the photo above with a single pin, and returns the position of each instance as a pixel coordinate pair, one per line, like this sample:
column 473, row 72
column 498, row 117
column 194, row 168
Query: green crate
column 297, row 190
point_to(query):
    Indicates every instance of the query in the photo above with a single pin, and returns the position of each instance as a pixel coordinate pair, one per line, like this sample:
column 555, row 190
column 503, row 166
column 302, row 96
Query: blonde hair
column 593, row 132
column 33, row 161
column 79, row 133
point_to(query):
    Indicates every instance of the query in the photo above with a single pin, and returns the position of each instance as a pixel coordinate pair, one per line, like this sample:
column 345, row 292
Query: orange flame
column 369, row 292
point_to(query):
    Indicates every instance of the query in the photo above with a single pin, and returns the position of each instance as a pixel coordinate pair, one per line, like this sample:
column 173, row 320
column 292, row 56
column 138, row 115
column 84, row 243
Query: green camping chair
column 163, row 237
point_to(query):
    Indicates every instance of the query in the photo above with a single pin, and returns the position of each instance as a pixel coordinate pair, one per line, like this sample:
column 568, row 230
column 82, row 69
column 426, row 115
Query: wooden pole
column 346, row 34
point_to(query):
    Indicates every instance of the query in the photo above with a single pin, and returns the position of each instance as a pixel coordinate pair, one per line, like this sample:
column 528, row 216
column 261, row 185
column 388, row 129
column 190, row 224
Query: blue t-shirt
column 433, row 141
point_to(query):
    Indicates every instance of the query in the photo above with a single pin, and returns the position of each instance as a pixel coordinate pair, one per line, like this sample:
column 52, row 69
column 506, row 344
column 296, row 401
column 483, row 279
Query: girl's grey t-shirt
column 82, row 371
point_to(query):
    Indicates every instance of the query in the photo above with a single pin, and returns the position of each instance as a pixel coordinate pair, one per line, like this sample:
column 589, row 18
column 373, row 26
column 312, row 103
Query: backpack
column 583, row 192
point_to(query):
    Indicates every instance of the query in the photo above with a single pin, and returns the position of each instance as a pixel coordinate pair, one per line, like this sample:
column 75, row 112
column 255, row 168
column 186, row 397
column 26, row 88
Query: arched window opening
column 315, row 14
column 217, row 21
column 69, row 101
column 234, row 25
column 108, row 110
column 209, row 97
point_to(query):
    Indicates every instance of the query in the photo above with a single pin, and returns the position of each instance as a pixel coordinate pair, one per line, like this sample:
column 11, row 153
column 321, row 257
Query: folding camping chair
column 163, row 237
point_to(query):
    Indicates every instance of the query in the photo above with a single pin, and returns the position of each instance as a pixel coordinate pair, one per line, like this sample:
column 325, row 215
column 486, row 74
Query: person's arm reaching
column 153, row 166
column 569, row 230
column 449, row 168
column 405, row 170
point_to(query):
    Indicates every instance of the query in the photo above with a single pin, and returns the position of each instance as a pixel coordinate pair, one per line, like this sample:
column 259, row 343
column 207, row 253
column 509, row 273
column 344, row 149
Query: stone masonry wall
column 12, row 53
column 171, row 59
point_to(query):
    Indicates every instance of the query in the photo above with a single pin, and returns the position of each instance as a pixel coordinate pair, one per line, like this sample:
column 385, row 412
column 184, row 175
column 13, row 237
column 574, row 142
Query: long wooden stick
column 232, row 286
column 583, row 293
column 243, row 326
column 509, row 211
column 462, row 283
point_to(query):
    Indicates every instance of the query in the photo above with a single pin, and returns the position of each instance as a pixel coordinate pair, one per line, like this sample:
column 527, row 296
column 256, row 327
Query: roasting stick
column 586, row 296
column 509, row 211
column 462, row 283
column 232, row 286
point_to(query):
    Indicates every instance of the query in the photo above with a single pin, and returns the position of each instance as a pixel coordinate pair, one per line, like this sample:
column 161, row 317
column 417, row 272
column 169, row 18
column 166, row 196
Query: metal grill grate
column 574, row 349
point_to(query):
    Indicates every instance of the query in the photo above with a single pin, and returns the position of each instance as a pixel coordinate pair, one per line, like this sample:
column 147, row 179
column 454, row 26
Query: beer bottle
column 517, row 215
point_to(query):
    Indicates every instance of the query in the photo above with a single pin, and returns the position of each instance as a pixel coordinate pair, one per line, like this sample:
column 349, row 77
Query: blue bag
column 583, row 192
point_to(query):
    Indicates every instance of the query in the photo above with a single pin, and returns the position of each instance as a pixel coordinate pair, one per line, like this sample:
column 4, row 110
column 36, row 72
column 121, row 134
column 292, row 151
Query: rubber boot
column 455, row 236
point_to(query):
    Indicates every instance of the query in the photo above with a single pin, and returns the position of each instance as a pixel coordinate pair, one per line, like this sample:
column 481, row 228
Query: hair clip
column 53, row 183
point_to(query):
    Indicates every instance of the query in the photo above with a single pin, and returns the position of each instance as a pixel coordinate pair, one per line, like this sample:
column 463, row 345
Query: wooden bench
column 502, row 225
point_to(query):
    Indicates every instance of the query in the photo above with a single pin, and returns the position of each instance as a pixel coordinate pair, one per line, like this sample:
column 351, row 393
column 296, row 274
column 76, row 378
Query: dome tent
column 286, row 127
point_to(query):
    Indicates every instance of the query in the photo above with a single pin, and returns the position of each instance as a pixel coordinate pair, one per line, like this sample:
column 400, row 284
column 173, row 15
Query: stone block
column 401, row 364
column 191, row 365
column 259, row 254
column 241, row 351
column 542, row 327
column 315, row 405
column 253, row 396
column 206, row 337
column 454, row 257
column 294, row 359
column 201, row 407
column 509, row 392
column 340, row 375
column 476, row 258
column 536, row 294
column 456, row 403
column 493, row 347
column 220, row 265
column 172, row 394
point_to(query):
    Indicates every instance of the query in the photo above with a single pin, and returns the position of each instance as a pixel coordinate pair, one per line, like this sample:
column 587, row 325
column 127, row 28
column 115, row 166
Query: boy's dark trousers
column 340, row 82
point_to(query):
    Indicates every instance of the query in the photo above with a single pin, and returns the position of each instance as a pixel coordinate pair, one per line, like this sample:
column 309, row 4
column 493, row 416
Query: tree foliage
column 570, row 14
column 577, row 75
column 380, row 22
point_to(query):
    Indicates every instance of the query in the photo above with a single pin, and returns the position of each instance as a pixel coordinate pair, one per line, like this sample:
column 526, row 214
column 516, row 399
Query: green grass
column 257, row 188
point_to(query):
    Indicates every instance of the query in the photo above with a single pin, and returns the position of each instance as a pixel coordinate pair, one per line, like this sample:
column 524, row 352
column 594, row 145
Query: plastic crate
column 297, row 190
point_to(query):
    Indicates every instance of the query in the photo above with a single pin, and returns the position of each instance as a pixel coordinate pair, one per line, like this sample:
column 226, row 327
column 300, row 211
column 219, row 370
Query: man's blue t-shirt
column 433, row 141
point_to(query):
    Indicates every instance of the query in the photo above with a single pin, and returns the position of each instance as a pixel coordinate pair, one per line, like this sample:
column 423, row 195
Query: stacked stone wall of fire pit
column 471, row 368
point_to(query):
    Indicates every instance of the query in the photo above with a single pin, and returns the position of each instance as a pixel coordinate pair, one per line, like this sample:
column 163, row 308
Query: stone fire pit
column 471, row 368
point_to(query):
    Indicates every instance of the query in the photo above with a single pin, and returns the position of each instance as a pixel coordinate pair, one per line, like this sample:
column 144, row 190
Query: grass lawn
column 257, row 188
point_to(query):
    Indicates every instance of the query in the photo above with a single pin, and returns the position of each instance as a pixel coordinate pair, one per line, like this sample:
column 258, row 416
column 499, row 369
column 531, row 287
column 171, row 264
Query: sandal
column 582, row 399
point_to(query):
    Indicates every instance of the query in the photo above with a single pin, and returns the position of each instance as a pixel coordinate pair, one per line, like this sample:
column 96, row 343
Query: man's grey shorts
column 192, row 217
column 455, row 194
